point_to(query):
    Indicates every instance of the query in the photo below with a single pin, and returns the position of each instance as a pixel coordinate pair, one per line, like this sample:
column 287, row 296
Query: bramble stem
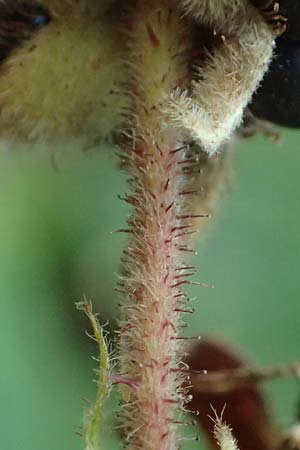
column 154, row 271
column 94, row 415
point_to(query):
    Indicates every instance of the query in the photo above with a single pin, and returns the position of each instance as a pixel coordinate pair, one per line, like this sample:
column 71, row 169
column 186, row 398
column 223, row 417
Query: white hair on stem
column 223, row 432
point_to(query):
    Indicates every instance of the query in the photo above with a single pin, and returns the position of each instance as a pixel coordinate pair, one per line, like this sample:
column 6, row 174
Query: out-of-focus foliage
column 56, row 246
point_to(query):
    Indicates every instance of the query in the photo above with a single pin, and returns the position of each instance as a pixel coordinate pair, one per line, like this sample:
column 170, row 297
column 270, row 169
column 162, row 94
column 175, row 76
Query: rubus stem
column 158, row 244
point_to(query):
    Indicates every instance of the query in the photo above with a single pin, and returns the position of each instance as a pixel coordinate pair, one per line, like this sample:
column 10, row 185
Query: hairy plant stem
column 156, row 159
column 93, row 417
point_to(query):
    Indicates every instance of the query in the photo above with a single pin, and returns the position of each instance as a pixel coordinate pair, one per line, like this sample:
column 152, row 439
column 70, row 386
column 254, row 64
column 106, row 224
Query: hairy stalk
column 94, row 415
column 223, row 434
column 155, row 156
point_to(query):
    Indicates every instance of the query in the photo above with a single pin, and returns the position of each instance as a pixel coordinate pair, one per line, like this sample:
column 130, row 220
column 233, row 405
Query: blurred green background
column 56, row 246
